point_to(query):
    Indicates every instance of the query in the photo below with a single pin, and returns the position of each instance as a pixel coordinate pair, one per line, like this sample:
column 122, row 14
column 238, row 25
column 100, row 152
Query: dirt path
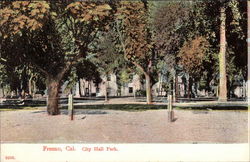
column 109, row 126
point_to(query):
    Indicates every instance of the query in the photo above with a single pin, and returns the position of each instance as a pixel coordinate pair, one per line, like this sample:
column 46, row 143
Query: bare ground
column 113, row 126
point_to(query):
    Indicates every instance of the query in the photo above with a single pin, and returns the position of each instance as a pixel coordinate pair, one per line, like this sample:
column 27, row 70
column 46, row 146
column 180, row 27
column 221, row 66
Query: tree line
column 45, row 43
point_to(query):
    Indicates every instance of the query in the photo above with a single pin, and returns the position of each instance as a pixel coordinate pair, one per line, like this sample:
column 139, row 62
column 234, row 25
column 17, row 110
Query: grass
column 15, row 108
column 215, row 108
column 141, row 107
column 124, row 107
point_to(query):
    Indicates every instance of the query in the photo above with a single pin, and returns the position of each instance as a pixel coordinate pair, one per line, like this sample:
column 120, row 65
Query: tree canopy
column 59, row 41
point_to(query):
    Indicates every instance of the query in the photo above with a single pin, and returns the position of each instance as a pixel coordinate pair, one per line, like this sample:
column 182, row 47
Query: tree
column 170, row 31
column 54, row 36
column 107, row 57
column 222, row 56
column 19, row 75
column 225, row 22
column 135, row 38
column 192, row 56
column 83, row 70
column 204, row 20
column 248, row 43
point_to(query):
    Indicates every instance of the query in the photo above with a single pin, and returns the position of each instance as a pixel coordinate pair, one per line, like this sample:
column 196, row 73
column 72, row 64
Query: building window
column 109, row 77
column 130, row 90
column 97, row 90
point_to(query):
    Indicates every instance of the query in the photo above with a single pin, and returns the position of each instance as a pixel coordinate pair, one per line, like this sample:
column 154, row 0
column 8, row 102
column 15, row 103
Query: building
column 108, row 85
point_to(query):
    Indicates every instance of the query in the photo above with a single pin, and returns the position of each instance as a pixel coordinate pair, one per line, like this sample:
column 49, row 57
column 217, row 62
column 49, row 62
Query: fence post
column 170, row 109
column 70, row 106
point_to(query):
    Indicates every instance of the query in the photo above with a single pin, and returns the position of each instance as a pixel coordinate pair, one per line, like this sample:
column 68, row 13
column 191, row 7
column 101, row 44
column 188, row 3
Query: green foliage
column 107, row 57
column 168, row 21
column 57, row 35
column 125, row 77
column 144, row 37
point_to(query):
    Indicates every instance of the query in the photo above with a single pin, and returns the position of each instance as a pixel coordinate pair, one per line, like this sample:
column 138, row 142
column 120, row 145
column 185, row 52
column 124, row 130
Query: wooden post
column 70, row 107
column 170, row 109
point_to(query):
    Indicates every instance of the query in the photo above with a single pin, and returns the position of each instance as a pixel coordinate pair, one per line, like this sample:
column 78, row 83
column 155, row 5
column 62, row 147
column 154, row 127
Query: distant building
column 135, row 87
column 109, row 84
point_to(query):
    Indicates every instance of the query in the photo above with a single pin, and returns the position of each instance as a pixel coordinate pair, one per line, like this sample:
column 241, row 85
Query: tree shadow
column 78, row 112
column 85, row 112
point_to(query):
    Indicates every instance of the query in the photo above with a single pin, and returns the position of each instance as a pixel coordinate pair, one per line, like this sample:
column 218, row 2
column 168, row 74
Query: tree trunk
column 148, row 88
column 159, row 85
column 77, row 90
column 34, row 89
column 23, row 94
column 173, row 87
column 53, row 90
column 2, row 88
column 176, row 88
column 90, row 89
column 30, row 85
column 106, row 92
column 185, row 86
column 188, row 86
column 222, row 57
column 147, row 76
column 80, row 93
column 196, row 89
column 3, row 91
column 248, row 46
column 82, row 87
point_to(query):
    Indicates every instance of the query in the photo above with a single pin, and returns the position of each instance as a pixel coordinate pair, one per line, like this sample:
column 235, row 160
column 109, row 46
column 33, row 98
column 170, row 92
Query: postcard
column 96, row 80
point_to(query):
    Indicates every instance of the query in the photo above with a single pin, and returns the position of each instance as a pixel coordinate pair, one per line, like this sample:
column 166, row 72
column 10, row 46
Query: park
column 124, row 71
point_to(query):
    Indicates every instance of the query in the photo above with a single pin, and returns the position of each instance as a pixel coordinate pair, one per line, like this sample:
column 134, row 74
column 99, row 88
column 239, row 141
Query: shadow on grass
column 21, row 106
column 216, row 107
column 78, row 112
column 132, row 107
column 124, row 107
column 36, row 112
column 86, row 112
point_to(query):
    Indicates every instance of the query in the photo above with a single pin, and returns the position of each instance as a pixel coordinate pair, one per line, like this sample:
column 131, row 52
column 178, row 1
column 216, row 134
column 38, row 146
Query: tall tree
column 168, row 25
column 229, row 20
column 222, row 55
column 107, row 57
column 248, row 45
column 135, row 37
column 192, row 56
column 221, row 23
column 55, row 36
